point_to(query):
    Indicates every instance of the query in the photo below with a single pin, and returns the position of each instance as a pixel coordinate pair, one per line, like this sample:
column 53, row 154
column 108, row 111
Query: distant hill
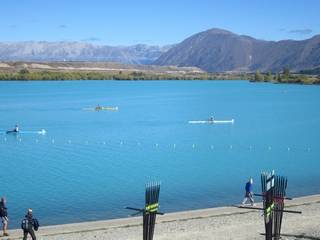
column 218, row 50
column 79, row 51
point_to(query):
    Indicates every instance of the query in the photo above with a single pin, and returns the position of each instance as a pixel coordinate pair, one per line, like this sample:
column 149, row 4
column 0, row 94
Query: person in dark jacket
column 28, row 225
column 249, row 192
column 4, row 216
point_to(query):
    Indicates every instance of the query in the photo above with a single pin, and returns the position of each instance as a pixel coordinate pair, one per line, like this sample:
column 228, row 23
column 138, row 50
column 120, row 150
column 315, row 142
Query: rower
column 16, row 128
column 98, row 107
column 211, row 119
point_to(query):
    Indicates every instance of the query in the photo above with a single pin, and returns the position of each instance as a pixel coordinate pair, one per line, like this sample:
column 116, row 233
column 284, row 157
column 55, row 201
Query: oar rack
column 150, row 210
column 273, row 196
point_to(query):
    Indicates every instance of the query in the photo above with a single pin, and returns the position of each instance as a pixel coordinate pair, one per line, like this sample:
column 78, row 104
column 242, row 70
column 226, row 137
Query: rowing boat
column 42, row 132
column 101, row 109
column 211, row 121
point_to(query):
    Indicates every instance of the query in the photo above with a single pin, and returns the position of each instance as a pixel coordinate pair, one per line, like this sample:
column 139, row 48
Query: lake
column 90, row 164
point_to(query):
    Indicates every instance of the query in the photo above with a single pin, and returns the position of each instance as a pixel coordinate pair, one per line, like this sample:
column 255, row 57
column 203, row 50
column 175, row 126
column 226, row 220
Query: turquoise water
column 91, row 164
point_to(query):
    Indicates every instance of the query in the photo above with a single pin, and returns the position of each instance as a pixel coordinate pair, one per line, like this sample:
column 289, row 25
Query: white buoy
column 193, row 146
column 157, row 145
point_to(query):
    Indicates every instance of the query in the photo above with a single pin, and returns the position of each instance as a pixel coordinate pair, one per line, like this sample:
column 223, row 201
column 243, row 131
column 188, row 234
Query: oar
column 276, row 197
column 275, row 210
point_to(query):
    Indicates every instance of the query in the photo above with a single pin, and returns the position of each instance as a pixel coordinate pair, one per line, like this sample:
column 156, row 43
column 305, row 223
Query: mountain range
column 79, row 51
column 214, row 50
column 218, row 50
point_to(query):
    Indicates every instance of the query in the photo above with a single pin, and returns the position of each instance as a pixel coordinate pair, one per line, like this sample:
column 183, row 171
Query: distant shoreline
column 60, row 71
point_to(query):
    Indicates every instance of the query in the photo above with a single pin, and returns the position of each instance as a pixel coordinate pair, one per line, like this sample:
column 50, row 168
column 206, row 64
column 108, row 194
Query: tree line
column 282, row 77
column 285, row 77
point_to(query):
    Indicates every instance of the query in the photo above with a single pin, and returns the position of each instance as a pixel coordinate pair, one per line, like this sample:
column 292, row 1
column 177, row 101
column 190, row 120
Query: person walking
column 29, row 225
column 4, row 216
column 249, row 193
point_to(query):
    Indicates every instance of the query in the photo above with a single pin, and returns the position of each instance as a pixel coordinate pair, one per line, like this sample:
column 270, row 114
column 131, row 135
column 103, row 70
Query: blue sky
column 124, row 22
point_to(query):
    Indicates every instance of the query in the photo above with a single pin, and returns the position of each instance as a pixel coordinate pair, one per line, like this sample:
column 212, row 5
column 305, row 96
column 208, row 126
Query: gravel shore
column 214, row 223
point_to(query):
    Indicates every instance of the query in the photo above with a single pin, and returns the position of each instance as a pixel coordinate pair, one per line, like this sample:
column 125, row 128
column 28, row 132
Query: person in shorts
column 4, row 216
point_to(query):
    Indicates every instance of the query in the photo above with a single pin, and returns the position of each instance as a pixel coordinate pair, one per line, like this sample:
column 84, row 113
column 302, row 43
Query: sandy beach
column 212, row 223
